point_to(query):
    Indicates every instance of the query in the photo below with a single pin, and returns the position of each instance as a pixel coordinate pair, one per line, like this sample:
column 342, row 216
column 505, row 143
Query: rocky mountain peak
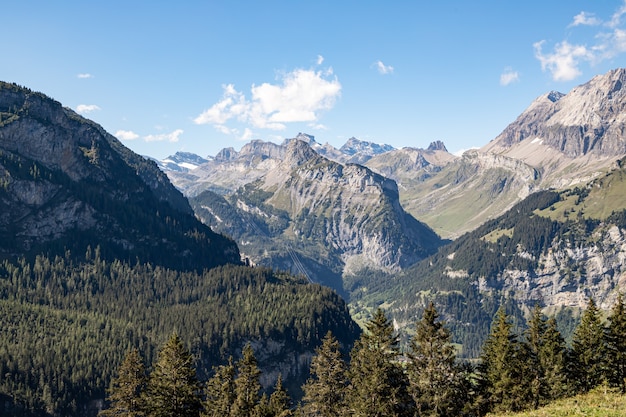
column 226, row 154
column 590, row 119
column 554, row 96
column 354, row 146
column 297, row 153
column 437, row 146
column 260, row 148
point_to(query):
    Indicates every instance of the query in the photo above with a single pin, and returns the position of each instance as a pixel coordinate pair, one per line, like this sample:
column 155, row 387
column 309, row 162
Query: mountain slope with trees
column 555, row 248
column 100, row 254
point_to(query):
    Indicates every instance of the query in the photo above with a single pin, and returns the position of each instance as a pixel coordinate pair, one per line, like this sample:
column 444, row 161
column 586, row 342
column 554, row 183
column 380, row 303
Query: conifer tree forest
column 515, row 372
column 97, row 329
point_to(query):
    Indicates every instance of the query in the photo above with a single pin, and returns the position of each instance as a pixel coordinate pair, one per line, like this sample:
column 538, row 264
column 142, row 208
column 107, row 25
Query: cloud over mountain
column 299, row 96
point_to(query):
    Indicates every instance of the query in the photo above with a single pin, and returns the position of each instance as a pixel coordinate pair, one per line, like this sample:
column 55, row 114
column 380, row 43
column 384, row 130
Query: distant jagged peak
column 182, row 161
column 589, row 120
column 354, row 146
column 303, row 137
column 437, row 146
column 226, row 154
column 554, row 96
column 261, row 148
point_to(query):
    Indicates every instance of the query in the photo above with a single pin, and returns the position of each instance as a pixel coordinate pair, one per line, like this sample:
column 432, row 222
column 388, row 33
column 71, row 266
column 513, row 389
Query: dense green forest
column 66, row 325
column 517, row 371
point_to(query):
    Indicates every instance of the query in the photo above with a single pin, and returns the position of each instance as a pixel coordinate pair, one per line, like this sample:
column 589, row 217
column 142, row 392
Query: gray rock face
column 64, row 181
column 589, row 119
column 328, row 216
column 599, row 273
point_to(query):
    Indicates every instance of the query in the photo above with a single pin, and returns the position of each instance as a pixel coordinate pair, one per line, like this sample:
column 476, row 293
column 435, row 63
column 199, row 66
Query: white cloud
column 382, row 68
column 84, row 75
column 299, row 97
column 164, row 137
column 564, row 62
column 86, row 108
column 247, row 135
column 617, row 16
column 585, row 19
column 126, row 135
column 317, row 126
column 320, row 60
column 508, row 76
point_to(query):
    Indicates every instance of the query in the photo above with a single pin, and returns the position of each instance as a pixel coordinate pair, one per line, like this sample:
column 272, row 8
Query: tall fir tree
column 379, row 387
column 325, row 391
column 437, row 383
column 505, row 382
column 588, row 346
column 125, row 395
column 280, row 402
column 547, row 359
column 553, row 360
column 534, row 342
column 247, row 385
column 616, row 345
column 173, row 388
column 220, row 391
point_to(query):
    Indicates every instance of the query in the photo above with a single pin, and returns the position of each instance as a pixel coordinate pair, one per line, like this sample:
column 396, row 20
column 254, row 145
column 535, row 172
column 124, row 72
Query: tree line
column 515, row 372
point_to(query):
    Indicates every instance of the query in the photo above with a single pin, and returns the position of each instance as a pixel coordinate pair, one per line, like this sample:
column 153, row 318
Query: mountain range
column 99, row 254
column 562, row 155
column 99, row 250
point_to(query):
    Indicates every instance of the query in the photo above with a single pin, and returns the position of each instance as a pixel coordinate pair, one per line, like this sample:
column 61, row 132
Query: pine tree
column 220, row 391
column 554, row 362
column 280, row 402
column 589, row 349
column 437, row 383
column 616, row 346
column 173, row 388
column 247, row 385
column 324, row 392
column 503, row 371
column 125, row 392
column 547, row 359
column 378, row 384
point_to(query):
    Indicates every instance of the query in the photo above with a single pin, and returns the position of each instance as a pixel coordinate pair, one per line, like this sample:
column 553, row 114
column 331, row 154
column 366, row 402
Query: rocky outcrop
column 66, row 183
column 569, row 275
column 590, row 119
column 327, row 216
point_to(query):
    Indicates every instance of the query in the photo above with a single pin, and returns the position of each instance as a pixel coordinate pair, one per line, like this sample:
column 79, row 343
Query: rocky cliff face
column 590, row 119
column 66, row 182
column 322, row 218
column 569, row 275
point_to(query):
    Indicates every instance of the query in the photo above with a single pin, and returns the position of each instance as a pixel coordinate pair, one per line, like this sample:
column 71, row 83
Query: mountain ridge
column 340, row 217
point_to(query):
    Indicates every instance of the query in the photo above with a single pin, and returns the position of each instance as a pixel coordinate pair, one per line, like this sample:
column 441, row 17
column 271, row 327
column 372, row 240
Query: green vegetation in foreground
column 601, row 402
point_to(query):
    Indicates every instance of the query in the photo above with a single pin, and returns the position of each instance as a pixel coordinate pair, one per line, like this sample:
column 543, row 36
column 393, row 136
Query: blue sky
column 199, row 76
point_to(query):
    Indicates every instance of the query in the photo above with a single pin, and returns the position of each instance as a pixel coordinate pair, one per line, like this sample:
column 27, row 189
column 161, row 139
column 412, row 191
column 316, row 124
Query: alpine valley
column 99, row 253
column 274, row 245
column 532, row 217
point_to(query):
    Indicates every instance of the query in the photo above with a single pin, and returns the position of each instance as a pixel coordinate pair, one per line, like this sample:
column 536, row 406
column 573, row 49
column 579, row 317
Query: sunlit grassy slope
column 598, row 403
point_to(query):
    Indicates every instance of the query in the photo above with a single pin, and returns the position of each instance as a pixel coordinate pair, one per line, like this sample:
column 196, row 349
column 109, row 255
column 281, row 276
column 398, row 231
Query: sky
column 200, row 76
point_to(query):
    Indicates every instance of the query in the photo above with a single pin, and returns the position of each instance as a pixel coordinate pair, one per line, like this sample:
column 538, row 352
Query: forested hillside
column 99, row 253
column 518, row 370
column 555, row 248
column 66, row 326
